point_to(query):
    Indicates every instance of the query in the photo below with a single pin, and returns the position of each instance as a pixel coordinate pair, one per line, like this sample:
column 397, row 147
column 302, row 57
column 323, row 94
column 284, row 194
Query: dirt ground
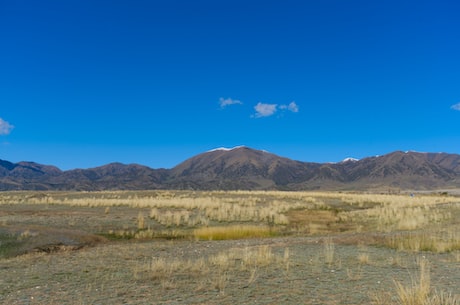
column 55, row 254
column 106, row 274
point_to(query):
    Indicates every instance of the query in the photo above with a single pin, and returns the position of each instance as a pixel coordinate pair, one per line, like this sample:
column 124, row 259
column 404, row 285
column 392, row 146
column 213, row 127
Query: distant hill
column 246, row 168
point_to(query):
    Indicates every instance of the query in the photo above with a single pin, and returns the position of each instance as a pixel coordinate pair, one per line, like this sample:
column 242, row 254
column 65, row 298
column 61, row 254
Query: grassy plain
column 241, row 247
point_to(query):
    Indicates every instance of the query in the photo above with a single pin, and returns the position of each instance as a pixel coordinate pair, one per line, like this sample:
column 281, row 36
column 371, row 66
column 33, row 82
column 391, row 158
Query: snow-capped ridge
column 414, row 151
column 349, row 160
column 225, row 148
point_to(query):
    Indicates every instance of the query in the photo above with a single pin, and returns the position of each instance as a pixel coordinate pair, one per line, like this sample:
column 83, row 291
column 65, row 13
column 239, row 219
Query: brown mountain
column 239, row 168
column 25, row 175
column 113, row 176
column 245, row 168
column 405, row 170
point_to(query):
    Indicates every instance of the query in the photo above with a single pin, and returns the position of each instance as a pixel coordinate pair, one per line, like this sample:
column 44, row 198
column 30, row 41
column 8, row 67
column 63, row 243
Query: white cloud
column 5, row 127
column 264, row 110
column 291, row 107
column 455, row 107
column 224, row 102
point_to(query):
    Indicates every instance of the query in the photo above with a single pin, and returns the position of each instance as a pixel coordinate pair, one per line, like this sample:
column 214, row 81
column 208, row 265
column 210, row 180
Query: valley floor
column 296, row 271
column 163, row 248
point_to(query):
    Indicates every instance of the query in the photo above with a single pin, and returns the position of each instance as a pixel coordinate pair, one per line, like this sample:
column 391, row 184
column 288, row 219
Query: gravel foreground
column 300, row 270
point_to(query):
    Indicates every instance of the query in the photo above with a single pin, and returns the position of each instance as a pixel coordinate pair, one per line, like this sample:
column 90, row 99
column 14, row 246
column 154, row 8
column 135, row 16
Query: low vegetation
column 418, row 291
column 307, row 234
column 232, row 232
column 217, row 267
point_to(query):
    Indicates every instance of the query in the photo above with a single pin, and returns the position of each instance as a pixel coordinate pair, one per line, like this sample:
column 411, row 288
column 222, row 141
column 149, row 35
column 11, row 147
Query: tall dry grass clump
column 433, row 241
column 232, row 232
column 417, row 292
column 140, row 221
column 391, row 200
column 329, row 251
column 261, row 256
column 443, row 298
column 217, row 269
column 395, row 212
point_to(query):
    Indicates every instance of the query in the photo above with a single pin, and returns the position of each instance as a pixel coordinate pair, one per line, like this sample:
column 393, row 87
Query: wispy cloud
column 264, row 110
column 5, row 127
column 224, row 102
column 455, row 107
column 292, row 106
column 261, row 109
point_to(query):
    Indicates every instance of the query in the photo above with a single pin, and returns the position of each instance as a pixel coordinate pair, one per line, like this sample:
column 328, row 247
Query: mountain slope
column 245, row 168
column 404, row 170
column 25, row 175
column 112, row 176
column 33, row 176
column 239, row 168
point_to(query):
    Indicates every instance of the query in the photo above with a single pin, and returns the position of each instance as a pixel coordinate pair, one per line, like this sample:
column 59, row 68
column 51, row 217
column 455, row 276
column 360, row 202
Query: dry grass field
column 240, row 247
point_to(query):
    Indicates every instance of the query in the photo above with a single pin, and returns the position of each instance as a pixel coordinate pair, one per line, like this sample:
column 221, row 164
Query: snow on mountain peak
column 414, row 151
column 225, row 148
column 349, row 160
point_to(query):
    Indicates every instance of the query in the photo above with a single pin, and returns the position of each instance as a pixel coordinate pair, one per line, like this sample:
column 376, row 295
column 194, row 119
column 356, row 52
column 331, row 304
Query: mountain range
column 246, row 168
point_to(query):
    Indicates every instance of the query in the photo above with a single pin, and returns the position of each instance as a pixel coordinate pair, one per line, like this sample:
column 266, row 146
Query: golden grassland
column 410, row 225
column 282, row 212
column 424, row 222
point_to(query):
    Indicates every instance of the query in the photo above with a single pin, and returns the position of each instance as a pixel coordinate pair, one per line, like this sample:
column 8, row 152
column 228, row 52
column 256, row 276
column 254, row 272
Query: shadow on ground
column 19, row 239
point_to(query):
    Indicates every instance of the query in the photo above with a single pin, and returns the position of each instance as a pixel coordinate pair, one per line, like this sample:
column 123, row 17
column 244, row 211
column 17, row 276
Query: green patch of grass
column 161, row 234
column 145, row 234
column 10, row 245
column 114, row 236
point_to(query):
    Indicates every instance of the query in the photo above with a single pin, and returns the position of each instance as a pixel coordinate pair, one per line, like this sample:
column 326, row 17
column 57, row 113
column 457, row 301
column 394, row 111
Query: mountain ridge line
column 242, row 167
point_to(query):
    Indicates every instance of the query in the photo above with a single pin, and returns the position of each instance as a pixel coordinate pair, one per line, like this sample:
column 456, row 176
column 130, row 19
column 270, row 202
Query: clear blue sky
column 87, row 82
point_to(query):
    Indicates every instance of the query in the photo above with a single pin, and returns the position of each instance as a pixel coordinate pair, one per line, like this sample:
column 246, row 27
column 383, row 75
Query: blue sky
column 85, row 83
